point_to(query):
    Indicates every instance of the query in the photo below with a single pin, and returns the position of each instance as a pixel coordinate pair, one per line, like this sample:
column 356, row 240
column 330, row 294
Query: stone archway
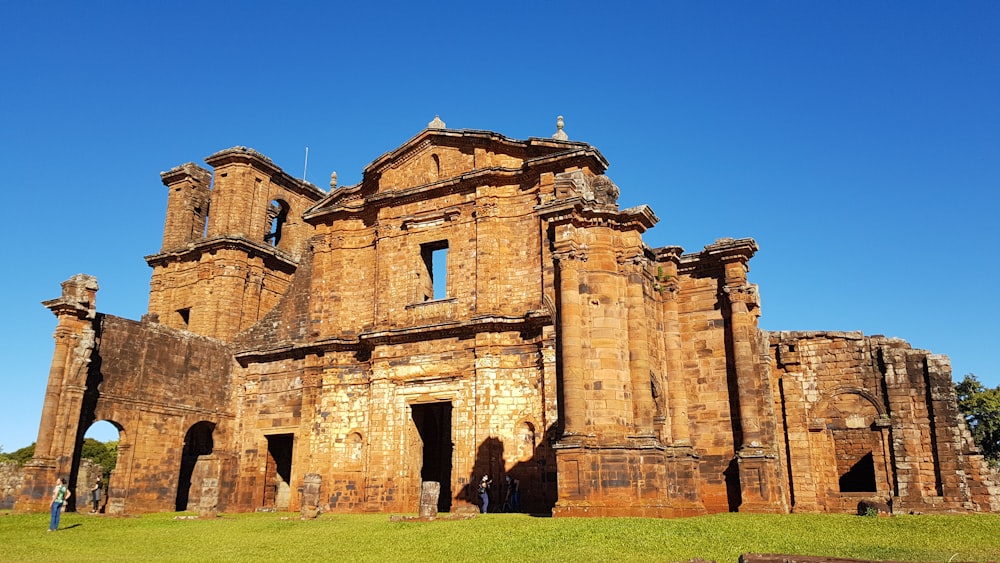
column 849, row 438
column 198, row 445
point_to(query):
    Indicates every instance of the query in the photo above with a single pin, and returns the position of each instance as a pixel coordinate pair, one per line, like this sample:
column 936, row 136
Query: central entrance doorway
column 433, row 422
column 278, row 472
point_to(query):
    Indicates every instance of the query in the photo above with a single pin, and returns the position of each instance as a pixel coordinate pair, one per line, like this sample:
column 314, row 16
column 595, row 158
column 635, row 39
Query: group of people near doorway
column 61, row 495
column 512, row 495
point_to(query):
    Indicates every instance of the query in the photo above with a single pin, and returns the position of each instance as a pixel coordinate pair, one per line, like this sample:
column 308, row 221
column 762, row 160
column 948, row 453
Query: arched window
column 526, row 439
column 277, row 214
column 354, row 448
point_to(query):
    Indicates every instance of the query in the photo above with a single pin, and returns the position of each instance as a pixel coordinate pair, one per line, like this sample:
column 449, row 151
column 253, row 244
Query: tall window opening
column 204, row 219
column 435, row 274
column 185, row 315
column 277, row 214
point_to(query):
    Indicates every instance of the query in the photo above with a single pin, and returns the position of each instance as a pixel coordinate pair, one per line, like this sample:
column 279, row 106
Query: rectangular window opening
column 185, row 315
column 435, row 274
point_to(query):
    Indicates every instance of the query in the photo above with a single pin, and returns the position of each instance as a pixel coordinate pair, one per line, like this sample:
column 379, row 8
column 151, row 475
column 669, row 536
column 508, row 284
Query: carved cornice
column 588, row 214
column 668, row 254
column 429, row 218
column 570, row 251
column 719, row 253
column 78, row 298
column 728, row 249
column 185, row 171
column 272, row 257
column 366, row 340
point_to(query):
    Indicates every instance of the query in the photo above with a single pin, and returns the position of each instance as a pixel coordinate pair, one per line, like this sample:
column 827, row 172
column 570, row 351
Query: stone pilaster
column 643, row 405
column 668, row 286
column 756, row 455
column 57, row 432
column 574, row 410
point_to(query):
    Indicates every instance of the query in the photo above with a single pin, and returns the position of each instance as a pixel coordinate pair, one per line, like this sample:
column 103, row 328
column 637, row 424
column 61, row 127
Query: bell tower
column 231, row 242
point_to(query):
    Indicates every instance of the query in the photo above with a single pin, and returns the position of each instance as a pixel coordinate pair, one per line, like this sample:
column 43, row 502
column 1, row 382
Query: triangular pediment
column 437, row 156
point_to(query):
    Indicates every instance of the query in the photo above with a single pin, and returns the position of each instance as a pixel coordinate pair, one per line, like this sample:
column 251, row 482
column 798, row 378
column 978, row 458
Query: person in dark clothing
column 484, row 492
column 95, row 495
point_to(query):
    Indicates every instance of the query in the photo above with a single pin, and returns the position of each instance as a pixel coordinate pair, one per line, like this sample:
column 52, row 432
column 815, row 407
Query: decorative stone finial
column 436, row 123
column 333, row 180
column 560, row 135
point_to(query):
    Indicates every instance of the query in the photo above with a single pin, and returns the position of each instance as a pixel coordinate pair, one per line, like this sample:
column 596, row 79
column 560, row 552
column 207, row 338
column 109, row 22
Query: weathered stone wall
column 11, row 481
column 161, row 383
column 351, row 413
column 869, row 418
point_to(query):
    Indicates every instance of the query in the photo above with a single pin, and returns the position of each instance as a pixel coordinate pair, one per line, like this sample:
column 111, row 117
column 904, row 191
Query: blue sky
column 857, row 141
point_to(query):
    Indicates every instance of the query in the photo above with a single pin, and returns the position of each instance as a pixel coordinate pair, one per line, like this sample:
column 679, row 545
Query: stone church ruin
column 478, row 305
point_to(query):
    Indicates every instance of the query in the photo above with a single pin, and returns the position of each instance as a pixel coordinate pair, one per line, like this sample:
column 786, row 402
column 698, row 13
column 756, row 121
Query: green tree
column 103, row 453
column 981, row 407
column 20, row 456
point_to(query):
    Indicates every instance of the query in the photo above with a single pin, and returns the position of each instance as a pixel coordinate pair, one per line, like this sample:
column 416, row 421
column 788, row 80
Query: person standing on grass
column 484, row 492
column 60, row 494
column 513, row 501
column 95, row 494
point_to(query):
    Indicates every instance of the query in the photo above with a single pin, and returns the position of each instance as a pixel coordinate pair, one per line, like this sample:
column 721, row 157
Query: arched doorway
column 96, row 466
column 198, row 443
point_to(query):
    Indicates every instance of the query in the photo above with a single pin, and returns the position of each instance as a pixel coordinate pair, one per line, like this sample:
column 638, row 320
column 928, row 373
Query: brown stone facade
column 478, row 305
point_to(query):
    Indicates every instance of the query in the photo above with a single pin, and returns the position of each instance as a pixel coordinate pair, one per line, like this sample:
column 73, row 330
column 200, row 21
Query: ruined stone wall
column 11, row 481
column 708, row 388
column 869, row 418
column 157, row 384
column 217, row 289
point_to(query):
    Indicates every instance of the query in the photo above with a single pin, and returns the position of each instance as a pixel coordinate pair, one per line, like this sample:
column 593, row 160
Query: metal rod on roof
column 305, row 166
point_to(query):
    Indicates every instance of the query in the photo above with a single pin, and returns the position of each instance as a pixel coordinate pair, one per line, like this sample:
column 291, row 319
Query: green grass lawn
column 495, row 537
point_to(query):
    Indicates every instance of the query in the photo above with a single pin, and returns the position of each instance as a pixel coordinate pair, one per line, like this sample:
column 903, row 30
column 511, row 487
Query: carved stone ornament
column 742, row 294
column 560, row 135
column 571, row 255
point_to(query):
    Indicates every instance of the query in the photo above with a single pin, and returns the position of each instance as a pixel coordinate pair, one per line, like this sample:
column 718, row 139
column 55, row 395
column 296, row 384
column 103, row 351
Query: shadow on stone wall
column 536, row 478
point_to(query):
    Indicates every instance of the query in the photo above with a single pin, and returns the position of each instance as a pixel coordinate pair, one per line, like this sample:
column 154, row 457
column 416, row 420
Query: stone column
column 59, row 425
column 53, row 391
column 668, row 285
column 740, row 296
column 756, row 455
column 571, row 335
column 644, row 407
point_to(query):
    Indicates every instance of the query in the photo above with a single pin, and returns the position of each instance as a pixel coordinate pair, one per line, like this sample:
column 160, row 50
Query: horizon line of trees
column 104, row 454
